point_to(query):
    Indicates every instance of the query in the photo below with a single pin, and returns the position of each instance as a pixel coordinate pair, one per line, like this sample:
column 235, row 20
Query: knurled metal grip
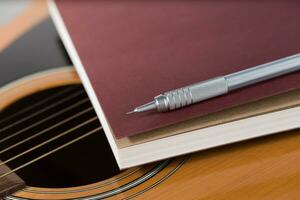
column 191, row 94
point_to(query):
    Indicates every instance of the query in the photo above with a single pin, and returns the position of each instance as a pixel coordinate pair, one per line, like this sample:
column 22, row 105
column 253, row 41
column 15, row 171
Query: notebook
column 127, row 52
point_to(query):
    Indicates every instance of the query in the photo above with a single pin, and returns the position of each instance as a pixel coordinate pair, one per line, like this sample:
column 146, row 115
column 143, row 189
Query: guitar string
column 48, row 141
column 45, row 130
column 44, row 120
column 51, row 152
column 36, row 104
column 57, row 149
column 42, row 110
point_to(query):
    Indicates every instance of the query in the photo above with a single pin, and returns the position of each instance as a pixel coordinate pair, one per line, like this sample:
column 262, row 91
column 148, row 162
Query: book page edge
column 70, row 48
column 210, row 137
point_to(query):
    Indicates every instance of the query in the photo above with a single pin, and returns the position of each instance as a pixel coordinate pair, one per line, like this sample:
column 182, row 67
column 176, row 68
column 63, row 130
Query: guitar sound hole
column 86, row 161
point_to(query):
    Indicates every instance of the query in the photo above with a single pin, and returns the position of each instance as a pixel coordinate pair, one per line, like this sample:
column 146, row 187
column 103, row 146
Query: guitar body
column 263, row 168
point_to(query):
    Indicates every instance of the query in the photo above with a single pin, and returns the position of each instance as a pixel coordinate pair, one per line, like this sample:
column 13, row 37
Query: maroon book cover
column 135, row 50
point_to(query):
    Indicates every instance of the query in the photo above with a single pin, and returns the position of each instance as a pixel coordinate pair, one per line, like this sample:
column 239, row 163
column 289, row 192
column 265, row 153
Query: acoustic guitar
column 51, row 138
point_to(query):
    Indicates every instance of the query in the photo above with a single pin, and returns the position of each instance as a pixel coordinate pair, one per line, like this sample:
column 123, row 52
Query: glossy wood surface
column 263, row 168
column 266, row 168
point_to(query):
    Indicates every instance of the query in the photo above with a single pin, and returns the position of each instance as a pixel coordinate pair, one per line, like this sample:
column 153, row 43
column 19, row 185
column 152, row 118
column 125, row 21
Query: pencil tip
column 130, row 112
column 146, row 107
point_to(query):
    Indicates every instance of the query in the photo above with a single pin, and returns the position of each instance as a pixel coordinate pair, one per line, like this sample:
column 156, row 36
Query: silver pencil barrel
column 263, row 72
